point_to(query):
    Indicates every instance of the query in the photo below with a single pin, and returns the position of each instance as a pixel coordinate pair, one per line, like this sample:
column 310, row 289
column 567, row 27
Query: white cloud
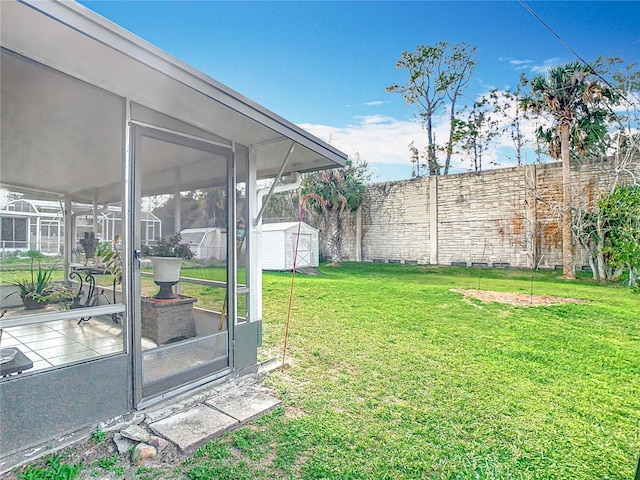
column 530, row 65
column 385, row 140
column 373, row 103
column 631, row 101
column 377, row 138
column 548, row 64
column 516, row 62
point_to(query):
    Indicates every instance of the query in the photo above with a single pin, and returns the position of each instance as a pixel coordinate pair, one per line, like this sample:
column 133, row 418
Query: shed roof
column 282, row 226
column 195, row 235
column 67, row 37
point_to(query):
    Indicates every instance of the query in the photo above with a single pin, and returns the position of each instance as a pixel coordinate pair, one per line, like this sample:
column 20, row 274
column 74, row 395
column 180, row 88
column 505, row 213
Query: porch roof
column 61, row 150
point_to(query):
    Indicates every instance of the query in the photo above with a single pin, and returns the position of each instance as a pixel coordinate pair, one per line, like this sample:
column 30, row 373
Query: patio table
column 86, row 274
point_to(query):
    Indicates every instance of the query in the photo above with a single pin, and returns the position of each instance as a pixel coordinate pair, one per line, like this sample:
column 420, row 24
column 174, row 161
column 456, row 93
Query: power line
column 554, row 33
column 572, row 50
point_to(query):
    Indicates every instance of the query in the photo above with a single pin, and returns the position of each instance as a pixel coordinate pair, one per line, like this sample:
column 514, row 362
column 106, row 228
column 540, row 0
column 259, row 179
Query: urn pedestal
column 166, row 321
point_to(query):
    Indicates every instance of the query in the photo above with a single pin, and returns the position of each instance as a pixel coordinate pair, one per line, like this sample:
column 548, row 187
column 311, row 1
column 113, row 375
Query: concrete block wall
column 588, row 181
column 502, row 217
column 544, row 195
column 396, row 222
column 481, row 218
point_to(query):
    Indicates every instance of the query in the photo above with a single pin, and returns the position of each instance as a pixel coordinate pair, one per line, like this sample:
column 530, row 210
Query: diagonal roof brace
column 256, row 220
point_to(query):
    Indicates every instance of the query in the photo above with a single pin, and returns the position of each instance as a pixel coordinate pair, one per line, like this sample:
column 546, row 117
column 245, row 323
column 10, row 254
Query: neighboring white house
column 206, row 243
column 35, row 224
column 279, row 242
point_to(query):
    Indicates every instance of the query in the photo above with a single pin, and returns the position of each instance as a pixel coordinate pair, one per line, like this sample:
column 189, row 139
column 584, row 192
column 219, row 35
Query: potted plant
column 108, row 258
column 166, row 258
column 38, row 290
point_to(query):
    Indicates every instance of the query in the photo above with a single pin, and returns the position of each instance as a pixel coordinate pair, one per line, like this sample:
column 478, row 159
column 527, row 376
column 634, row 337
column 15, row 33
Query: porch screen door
column 184, row 340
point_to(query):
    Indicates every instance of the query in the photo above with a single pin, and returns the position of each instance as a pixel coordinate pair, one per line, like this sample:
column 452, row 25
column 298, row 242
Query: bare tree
column 461, row 66
column 436, row 73
column 506, row 104
column 475, row 133
column 624, row 146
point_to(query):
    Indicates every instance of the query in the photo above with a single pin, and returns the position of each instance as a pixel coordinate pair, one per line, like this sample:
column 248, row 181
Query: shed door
column 304, row 251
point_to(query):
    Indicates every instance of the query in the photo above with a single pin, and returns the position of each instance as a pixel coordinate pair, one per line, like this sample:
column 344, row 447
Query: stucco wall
column 497, row 217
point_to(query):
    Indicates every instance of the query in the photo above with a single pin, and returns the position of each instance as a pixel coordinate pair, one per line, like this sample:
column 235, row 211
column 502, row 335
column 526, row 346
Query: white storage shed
column 206, row 243
column 279, row 246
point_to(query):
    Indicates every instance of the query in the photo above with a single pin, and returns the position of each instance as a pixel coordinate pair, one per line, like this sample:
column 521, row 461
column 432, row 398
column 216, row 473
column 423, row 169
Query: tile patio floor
column 64, row 341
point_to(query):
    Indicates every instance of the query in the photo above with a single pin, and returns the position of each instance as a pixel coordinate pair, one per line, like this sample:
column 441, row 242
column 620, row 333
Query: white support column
column 254, row 237
column 95, row 213
column 254, row 228
column 177, row 208
column 60, row 232
column 39, row 234
column 177, row 203
column 69, row 229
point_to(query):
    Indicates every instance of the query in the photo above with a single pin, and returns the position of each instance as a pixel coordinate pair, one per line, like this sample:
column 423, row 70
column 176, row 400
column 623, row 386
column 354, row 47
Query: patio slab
column 193, row 428
column 244, row 404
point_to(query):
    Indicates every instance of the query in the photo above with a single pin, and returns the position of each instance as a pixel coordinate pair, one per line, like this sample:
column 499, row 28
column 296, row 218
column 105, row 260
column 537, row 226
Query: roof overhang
column 107, row 63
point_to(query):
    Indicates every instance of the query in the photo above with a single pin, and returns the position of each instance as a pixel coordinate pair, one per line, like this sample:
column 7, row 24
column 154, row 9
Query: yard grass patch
column 393, row 375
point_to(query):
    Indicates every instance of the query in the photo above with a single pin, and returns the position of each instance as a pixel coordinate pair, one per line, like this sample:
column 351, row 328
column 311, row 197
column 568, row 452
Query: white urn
column 166, row 273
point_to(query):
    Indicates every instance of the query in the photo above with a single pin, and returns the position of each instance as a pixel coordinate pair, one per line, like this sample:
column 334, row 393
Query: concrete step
column 244, row 404
column 198, row 425
column 194, row 428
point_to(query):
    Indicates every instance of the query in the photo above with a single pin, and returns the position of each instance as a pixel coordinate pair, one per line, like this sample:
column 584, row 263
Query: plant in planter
column 38, row 290
column 108, row 258
column 167, row 258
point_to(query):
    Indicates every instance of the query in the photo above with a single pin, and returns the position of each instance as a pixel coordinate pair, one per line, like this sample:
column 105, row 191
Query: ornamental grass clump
column 39, row 289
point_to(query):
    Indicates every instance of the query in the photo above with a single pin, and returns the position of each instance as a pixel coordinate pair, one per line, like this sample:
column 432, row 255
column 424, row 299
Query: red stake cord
column 293, row 274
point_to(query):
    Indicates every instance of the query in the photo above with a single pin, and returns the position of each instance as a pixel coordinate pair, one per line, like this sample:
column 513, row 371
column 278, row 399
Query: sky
column 325, row 66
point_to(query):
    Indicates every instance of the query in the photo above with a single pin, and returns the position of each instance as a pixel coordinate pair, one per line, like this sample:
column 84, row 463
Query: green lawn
column 393, row 376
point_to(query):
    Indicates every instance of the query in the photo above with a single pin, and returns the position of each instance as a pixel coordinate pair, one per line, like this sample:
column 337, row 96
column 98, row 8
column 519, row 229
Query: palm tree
column 577, row 107
column 335, row 193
